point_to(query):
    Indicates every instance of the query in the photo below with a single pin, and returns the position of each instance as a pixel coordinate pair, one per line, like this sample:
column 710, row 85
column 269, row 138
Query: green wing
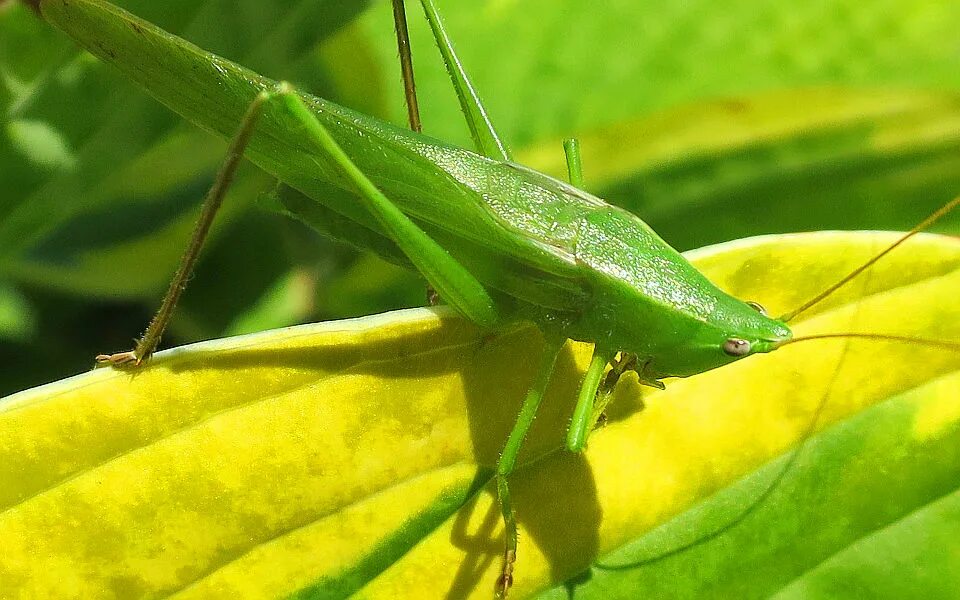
column 501, row 221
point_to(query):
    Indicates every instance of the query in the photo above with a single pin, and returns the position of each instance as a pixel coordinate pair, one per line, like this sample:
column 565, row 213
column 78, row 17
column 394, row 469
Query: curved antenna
column 775, row 482
column 794, row 454
column 933, row 218
column 761, row 499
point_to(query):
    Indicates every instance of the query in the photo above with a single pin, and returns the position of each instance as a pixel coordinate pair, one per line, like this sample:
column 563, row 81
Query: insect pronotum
column 576, row 267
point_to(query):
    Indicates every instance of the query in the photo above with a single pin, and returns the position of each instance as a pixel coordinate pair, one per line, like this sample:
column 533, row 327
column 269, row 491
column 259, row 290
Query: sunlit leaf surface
column 99, row 184
column 354, row 456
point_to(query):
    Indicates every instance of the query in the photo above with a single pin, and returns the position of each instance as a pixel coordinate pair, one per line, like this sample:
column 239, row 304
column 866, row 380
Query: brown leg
column 148, row 343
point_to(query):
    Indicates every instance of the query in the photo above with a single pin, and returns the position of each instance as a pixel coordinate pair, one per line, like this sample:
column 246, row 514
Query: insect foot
column 505, row 581
column 120, row 358
column 142, row 352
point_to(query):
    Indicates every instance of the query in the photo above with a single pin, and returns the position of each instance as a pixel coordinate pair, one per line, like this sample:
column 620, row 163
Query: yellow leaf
column 355, row 456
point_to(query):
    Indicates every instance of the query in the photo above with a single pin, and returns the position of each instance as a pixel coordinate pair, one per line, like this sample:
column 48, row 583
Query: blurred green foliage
column 711, row 120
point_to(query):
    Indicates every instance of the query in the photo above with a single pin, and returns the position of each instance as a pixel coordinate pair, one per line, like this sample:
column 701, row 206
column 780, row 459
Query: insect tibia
column 406, row 65
column 208, row 212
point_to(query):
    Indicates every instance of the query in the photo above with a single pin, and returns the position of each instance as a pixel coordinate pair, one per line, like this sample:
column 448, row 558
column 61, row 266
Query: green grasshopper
column 498, row 241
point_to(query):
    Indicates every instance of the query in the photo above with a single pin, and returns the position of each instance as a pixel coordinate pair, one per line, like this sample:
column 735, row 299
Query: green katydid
column 496, row 240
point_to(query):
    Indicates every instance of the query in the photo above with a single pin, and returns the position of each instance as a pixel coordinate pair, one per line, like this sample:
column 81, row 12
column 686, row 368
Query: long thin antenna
column 768, row 490
column 877, row 336
column 406, row 65
column 933, row 218
column 793, row 455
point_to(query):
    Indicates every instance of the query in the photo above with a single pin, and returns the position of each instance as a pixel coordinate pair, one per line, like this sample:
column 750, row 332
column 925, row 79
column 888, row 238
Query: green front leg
column 583, row 420
column 508, row 459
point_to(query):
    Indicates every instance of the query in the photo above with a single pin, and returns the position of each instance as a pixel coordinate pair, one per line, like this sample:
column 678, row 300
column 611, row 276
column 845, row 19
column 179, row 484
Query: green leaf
column 287, row 302
column 715, row 121
column 17, row 321
column 127, row 196
column 553, row 68
column 40, row 144
column 712, row 171
column 355, row 456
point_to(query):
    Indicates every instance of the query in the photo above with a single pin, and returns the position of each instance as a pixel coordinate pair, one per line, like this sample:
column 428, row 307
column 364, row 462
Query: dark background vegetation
column 713, row 121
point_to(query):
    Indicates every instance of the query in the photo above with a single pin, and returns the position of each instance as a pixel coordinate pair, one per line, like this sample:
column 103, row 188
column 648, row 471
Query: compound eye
column 757, row 307
column 736, row 347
